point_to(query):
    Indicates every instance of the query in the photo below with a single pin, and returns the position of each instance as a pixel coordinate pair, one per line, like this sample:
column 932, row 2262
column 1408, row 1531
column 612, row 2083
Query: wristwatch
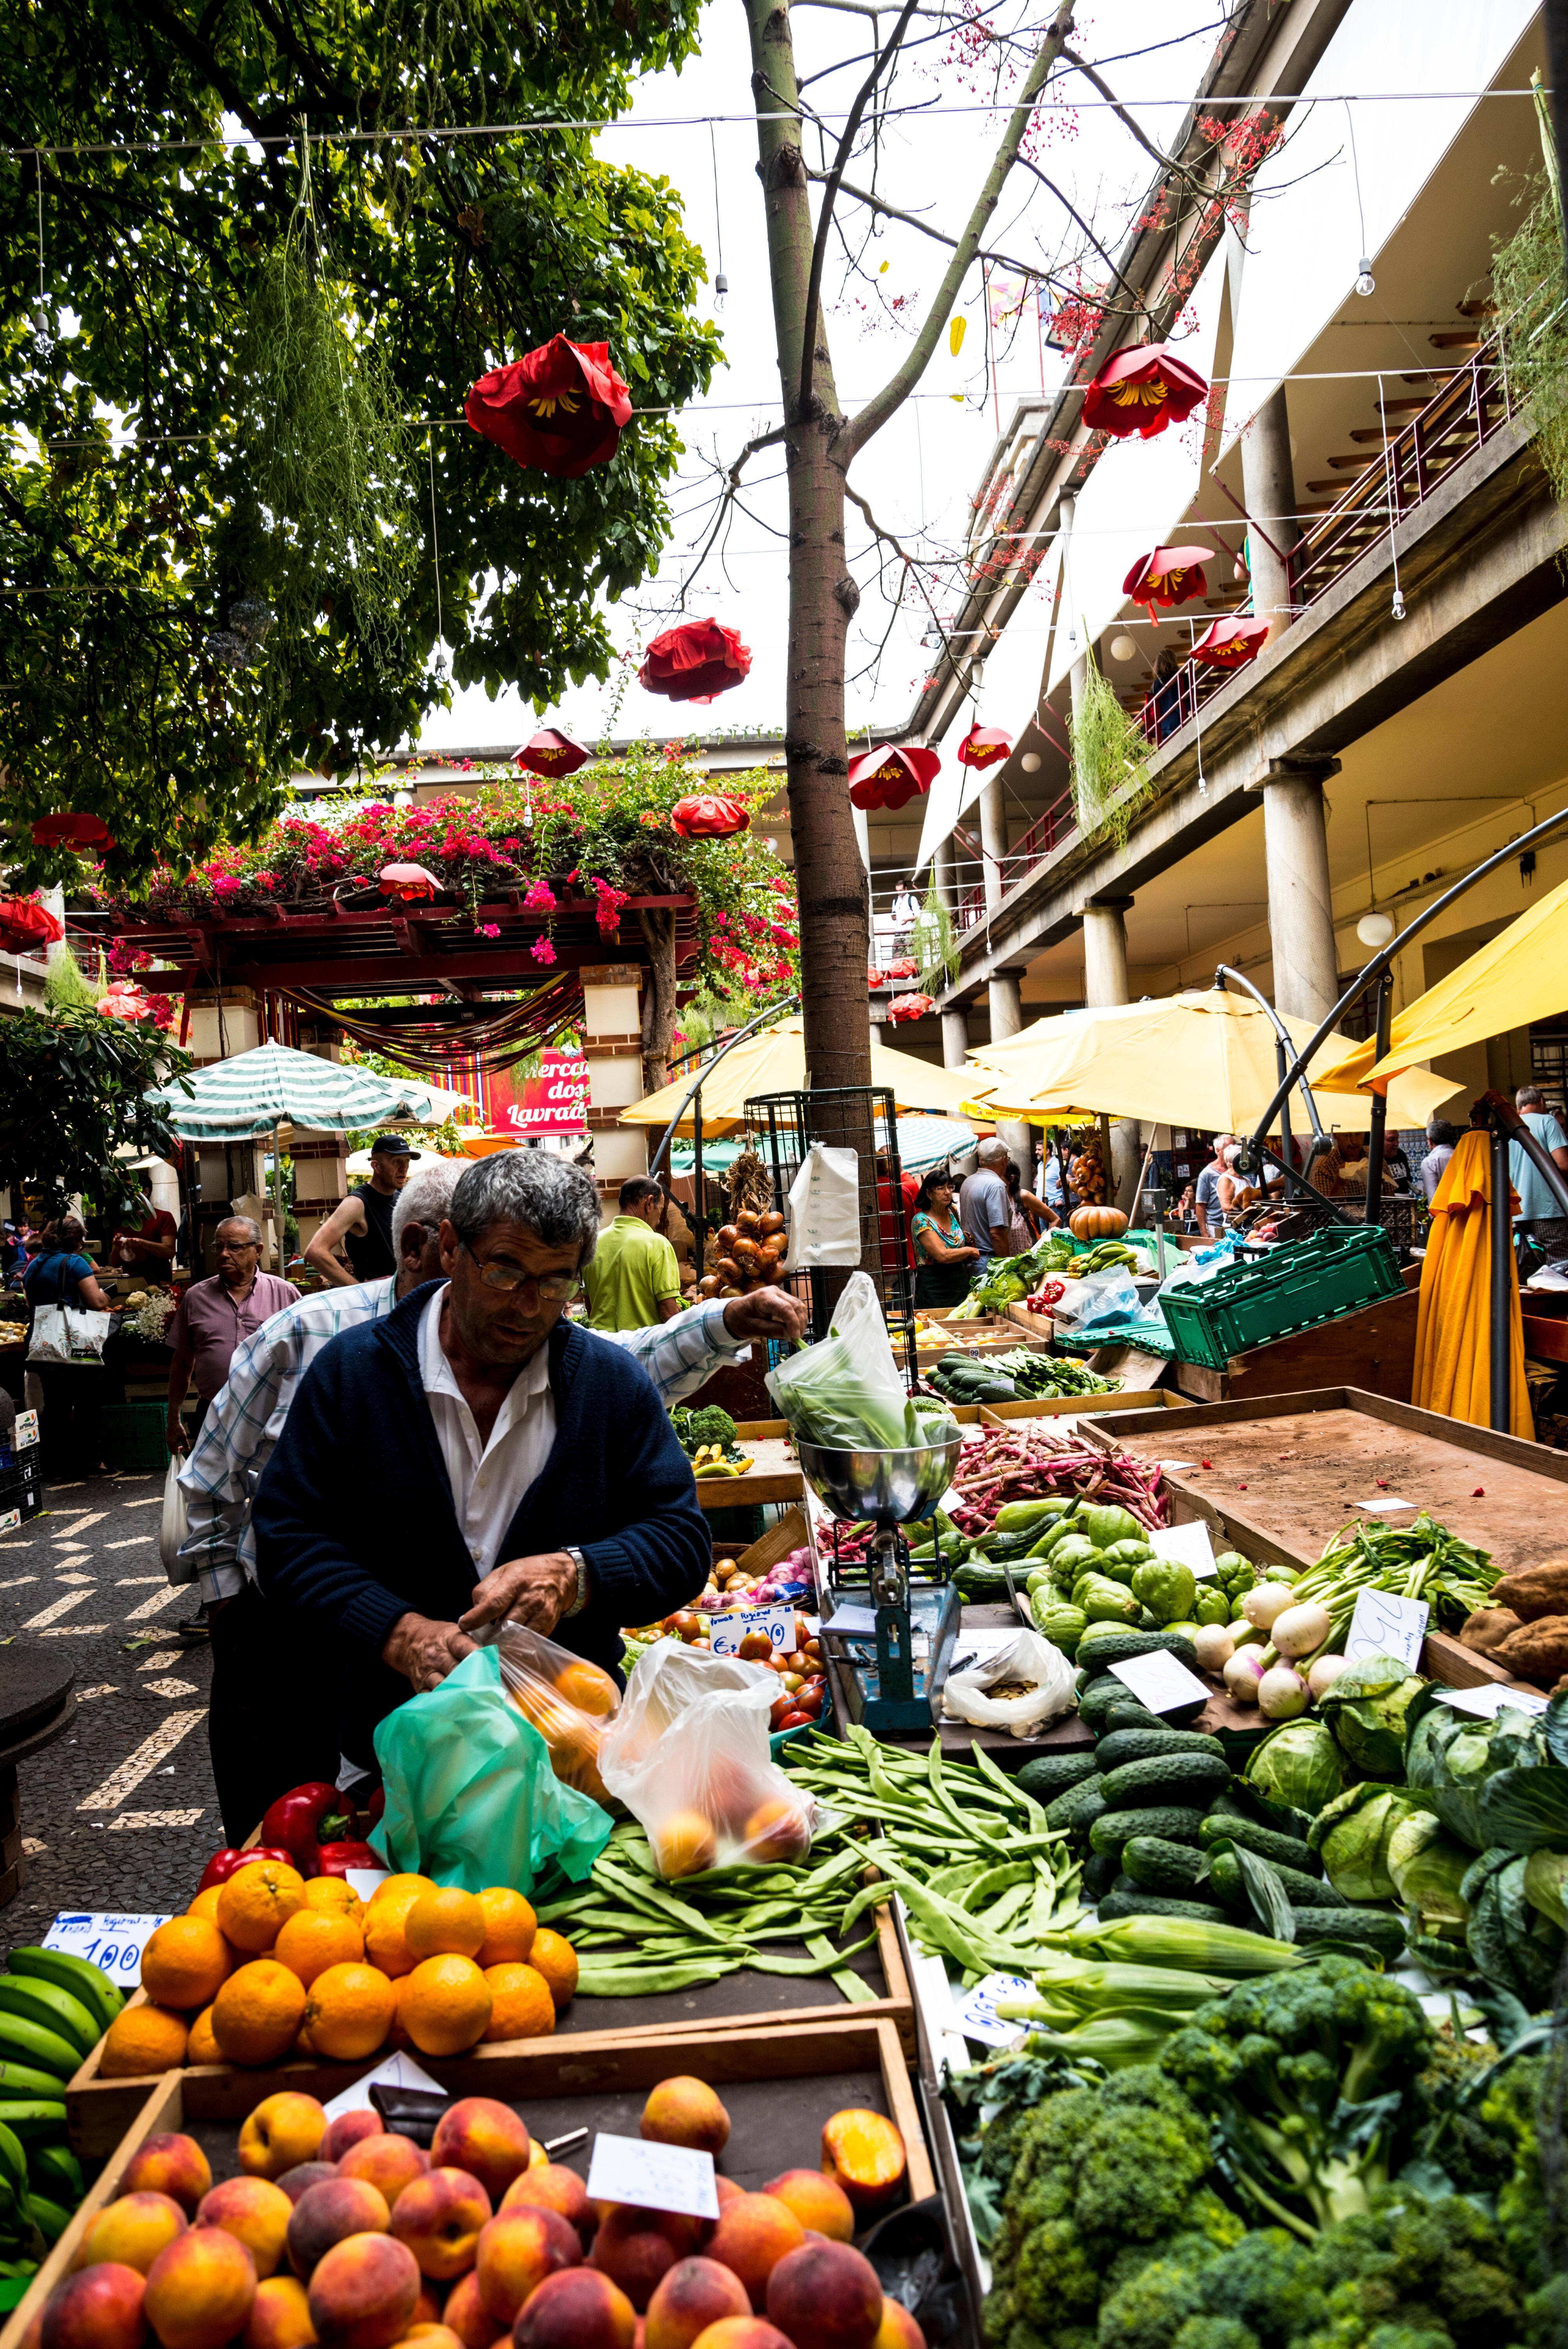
column 581, row 1563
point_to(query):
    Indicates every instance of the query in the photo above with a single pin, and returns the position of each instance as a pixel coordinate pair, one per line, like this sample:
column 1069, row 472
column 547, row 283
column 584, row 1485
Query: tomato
column 796, row 1720
column 810, row 1702
column 778, row 1708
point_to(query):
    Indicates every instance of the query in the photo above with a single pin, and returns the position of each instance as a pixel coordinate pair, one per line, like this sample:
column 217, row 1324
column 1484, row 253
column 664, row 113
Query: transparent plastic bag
column 689, row 1755
column 1021, row 1687
column 568, row 1700
column 845, row 1393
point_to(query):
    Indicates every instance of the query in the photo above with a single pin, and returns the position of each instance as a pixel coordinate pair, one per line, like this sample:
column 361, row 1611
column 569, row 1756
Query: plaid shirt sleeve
column 680, row 1355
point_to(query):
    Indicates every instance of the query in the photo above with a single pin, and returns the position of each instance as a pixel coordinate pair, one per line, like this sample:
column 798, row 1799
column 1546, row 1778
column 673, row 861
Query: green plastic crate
column 134, row 1437
column 1295, row 1288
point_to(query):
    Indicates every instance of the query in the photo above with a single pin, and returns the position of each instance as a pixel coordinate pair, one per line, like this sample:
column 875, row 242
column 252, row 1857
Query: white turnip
column 1300, row 1630
column 1242, row 1675
column 1325, row 1673
column 1215, row 1648
column 1266, row 1602
column 1282, row 1694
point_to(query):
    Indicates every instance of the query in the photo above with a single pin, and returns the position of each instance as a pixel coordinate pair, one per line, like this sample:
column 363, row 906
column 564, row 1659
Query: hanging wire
column 1365, row 281
column 1393, row 518
column 43, row 290
column 721, row 282
column 435, row 543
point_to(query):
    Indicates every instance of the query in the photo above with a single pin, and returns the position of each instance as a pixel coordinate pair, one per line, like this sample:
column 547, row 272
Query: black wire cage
column 864, row 1119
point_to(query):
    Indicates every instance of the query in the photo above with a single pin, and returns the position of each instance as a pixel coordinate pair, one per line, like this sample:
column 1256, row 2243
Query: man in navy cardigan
column 475, row 1457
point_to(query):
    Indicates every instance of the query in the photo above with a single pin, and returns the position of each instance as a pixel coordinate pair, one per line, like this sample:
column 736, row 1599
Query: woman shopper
column 1030, row 1212
column 72, row 1391
column 943, row 1258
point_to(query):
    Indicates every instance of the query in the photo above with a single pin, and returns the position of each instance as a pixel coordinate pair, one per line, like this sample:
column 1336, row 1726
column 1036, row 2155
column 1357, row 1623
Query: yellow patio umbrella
column 774, row 1061
column 1453, row 1355
column 1205, row 1058
column 1520, row 976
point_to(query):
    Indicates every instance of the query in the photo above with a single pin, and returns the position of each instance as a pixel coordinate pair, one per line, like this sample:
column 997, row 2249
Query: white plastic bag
column 1023, row 1686
column 62, row 1334
column 172, row 1526
column 688, row 1754
column 825, row 1209
column 845, row 1393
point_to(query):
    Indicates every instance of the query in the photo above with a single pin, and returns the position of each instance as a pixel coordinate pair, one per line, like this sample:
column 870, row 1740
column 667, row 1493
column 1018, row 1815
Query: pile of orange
column 570, row 1714
column 268, row 1964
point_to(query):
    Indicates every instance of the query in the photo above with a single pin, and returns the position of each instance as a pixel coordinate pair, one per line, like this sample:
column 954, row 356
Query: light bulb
column 1123, row 648
column 1374, row 929
column 1398, row 604
column 720, row 286
column 1366, row 282
column 1030, row 762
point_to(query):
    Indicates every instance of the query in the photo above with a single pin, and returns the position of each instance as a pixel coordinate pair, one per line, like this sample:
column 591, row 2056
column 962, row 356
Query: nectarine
column 389, row 2162
column 684, row 2111
column 863, row 2151
column 898, row 2329
column 826, row 2296
column 551, row 2186
column 255, row 2212
column 280, row 2316
column 132, row 2231
column 346, row 2130
column 283, row 2131
column 820, row 2204
column 440, row 2216
column 99, row 2308
column 363, row 2292
column 754, row 2234
column 485, row 2138
column 172, row 2165
column 200, row 2290
column 695, row 2294
column 516, row 2251
column 328, row 2214
column 576, row 2309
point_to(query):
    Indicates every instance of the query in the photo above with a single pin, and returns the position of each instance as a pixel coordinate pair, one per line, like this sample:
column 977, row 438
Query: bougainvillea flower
column 562, row 409
column 709, row 815
column 71, row 831
column 1171, row 576
column 983, row 746
column 889, row 778
column 697, row 661
column 1230, row 643
column 551, row 752
column 406, row 882
column 1142, row 389
column 26, row 927
column 910, row 1007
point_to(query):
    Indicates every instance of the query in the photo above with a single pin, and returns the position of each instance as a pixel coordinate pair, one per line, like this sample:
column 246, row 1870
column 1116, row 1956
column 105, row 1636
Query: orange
column 314, row 1938
column 446, row 2008
column 206, row 1904
column 685, row 1845
column 349, row 2012
column 554, row 1956
column 334, row 1894
column 385, row 1919
column 184, row 1962
column 142, row 2039
column 522, row 2006
column 257, row 1900
column 259, row 2009
column 201, row 2047
column 403, row 1887
column 445, row 1923
column 584, row 1685
column 510, row 1926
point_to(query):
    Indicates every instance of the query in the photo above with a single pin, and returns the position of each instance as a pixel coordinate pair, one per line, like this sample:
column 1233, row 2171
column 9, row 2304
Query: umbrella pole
column 278, row 1201
column 1502, row 1285
column 699, row 1225
column 1379, row 1129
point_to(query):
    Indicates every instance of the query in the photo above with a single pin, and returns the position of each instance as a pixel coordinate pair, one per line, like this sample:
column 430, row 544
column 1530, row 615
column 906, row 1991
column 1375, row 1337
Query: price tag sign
column 398, row 2071
column 1489, row 1702
column 10, row 1521
column 111, row 1942
column 726, row 1631
column 1188, row 1545
column 976, row 2015
column 1384, row 1625
column 653, row 2176
column 1161, row 1681
column 1387, row 1504
column 365, row 1880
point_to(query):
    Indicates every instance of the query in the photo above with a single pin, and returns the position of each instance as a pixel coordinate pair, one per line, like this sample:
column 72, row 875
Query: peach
column 100, row 2308
column 754, row 2234
column 898, row 2329
column 172, row 2164
column 328, row 2214
column 132, row 2231
column 388, row 2162
column 255, row 2212
column 693, row 2295
column 551, row 2186
column 517, row 2253
column 577, row 2309
column 686, row 2112
column 440, row 2216
column 486, row 2138
column 282, row 2132
column 364, row 2291
column 304, row 2176
column 346, row 2130
column 433, row 2336
column 280, row 2316
column 742, row 2332
column 819, row 2203
column 826, row 2296
column 864, row 2152
column 426, row 2308
column 466, row 2315
column 636, row 2249
column 200, row 2290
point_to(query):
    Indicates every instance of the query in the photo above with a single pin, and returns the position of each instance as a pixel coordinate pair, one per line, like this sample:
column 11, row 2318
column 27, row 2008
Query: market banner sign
column 554, row 1101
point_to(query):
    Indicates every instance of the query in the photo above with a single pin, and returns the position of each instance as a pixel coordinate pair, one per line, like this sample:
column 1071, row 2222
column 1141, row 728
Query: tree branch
column 1168, row 163
column 1029, row 165
column 732, row 484
column 938, row 236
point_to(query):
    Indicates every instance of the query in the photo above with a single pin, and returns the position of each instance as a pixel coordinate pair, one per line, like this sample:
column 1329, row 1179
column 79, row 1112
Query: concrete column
column 945, row 871
column 955, row 1036
column 1105, row 982
column 1268, row 490
column 994, row 841
column 1007, row 1019
column 1300, row 902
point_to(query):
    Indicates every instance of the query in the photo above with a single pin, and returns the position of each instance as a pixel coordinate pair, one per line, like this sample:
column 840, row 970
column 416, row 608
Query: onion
column 1215, row 1648
column 1266, row 1602
column 1282, row 1694
column 1325, row 1673
column 1300, row 1630
column 1242, row 1676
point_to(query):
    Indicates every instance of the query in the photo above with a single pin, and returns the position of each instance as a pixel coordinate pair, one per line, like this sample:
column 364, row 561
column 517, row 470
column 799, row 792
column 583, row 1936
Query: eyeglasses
column 553, row 1288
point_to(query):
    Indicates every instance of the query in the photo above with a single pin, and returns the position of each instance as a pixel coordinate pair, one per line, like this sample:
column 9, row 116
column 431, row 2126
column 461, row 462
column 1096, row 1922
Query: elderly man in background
column 216, row 1315
column 362, row 1225
column 1535, row 1200
column 986, row 1205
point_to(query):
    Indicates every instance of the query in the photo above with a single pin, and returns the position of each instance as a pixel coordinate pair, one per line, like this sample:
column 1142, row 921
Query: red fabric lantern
column 910, row 1007
column 1171, row 576
column 26, row 927
column 551, row 752
column 406, row 883
column 709, row 815
column 560, row 410
column 876, row 978
column 984, row 746
column 71, row 831
column 125, row 1000
column 886, row 778
column 1231, row 644
column 697, row 661
column 903, row 969
column 1142, row 389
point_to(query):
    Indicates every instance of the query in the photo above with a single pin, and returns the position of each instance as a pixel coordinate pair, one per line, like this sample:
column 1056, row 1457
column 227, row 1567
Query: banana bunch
column 54, row 2010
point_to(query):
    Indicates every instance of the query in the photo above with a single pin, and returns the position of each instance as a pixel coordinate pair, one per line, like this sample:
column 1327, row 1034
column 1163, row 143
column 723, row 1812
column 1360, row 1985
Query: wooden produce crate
column 776, row 1477
column 779, row 2087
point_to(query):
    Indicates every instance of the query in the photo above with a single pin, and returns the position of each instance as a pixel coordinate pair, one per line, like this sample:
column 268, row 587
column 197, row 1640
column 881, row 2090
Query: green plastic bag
column 471, row 1799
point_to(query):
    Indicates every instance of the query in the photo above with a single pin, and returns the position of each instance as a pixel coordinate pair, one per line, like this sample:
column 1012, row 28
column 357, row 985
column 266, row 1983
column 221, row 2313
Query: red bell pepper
column 222, row 1864
column 375, row 1806
column 337, row 1859
column 300, row 1820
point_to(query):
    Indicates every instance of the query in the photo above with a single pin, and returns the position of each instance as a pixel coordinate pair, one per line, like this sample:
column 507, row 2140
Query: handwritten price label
column 1384, row 1625
column 113, row 1943
column 726, row 1631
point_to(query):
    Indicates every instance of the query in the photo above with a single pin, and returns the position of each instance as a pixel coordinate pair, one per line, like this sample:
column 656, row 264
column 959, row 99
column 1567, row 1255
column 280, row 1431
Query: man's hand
column 766, row 1313
column 533, row 1591
column 424, row 1651
column 175, row 1433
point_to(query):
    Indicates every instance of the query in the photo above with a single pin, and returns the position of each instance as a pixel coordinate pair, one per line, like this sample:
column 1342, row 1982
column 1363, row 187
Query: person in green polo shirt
column 632, row 1279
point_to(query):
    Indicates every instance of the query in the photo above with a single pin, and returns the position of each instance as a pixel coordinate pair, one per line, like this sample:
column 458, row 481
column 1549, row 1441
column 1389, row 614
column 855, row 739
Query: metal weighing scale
column 896, row 1694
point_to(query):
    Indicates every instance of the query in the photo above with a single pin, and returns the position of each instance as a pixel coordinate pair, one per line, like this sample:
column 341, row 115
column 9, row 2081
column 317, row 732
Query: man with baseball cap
column 362, row 1225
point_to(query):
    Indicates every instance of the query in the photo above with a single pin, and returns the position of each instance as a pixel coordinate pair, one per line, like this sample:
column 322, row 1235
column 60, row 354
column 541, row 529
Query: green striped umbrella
column 256, row 1091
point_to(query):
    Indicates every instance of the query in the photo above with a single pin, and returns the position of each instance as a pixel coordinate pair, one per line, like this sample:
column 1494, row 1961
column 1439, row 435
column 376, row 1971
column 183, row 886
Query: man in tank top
column 362, row 1225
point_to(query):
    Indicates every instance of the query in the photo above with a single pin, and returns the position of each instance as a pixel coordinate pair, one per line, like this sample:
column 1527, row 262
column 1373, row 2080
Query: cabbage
column 1429, row 1870
column 1450, row 1756
column 1365, row 1710
column 1298, row 1764
column 1352, row 1837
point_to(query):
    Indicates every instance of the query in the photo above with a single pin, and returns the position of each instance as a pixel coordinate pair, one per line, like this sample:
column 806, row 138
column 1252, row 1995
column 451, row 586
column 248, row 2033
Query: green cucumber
column 1112, row 1645
column 1282, row 1851
column 1050, row 1774
column 1144, row 1745
column 1300, row 1890
column 1113, row 1830
column 1181, row 1778
column 1376, row 1929
column 1099, row 1873
column 1159, row 1866
column 1126, row 1900
column 1079, row 1809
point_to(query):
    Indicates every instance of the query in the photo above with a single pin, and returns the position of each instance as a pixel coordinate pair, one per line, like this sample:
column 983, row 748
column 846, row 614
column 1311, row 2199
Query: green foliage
column 67, row 984
column 73, row 1088
column 1109, row 759
column 1527, row 275
column 934, row 944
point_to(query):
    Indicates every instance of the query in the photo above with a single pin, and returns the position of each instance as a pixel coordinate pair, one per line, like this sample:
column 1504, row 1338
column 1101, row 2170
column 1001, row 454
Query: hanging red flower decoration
column 560, row 410
column 26, row 927
column 1142, row 389
column 910, row 1007
column 984, row 746
column 886, row 778
column 71, row 831
column 876, row 978
column 1231, row 644
column 406, row 882
column 697, row 661
column 550, row 752
column 1171, row 576
column 125, row 1000
column 903, row 969
column 709, row 815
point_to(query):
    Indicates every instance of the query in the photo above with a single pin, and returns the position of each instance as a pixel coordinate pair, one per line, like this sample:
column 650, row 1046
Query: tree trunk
column 658, row 925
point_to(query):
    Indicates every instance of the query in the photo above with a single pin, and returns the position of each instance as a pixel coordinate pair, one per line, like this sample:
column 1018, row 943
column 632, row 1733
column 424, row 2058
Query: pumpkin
column 1097, row 1223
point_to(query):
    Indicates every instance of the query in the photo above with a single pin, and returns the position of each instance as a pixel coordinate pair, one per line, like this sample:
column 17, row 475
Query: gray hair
column 557, row 1202
column 426, row 1197
column 1530, row 1097
column 991, row 1151
column 249, row 1222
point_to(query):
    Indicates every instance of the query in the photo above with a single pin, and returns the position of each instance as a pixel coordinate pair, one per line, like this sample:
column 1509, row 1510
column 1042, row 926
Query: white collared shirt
column 488, row 1480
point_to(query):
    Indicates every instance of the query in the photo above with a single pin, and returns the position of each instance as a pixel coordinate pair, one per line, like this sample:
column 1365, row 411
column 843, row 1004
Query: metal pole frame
column 775, row 1011
column 1500, row 1384
column 1282, row 1044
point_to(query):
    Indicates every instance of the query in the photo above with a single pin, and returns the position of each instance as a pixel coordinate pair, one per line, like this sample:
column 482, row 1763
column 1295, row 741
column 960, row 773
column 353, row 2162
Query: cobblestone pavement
column 121, row 1812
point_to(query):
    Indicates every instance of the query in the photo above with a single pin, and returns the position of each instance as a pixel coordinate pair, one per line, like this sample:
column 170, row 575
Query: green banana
column 55, row 2169
column 35, row 2118
column 48, row 2217
column 27, row 2080
column 22, row 2042
column 57, row 2009
column 12, row 2160
column 86, row 1981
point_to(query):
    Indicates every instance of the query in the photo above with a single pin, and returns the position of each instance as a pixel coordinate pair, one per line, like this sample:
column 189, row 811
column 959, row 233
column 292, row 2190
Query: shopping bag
column 689, row 1755
column 846, row 1392
column 62, row 1334
column 172, row 1527
column 568, row 1700
column 824, row 1209
column 1020, row 1688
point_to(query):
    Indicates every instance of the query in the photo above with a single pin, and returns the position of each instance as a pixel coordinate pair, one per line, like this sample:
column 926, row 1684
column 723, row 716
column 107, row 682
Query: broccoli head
column 707, row 1426
column 1437, row 2269
column 1215, row 2332
column 1479, row 2159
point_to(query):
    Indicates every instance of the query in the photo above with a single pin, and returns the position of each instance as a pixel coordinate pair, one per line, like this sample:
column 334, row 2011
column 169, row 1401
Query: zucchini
column 1282, row 1851
column 1159, row 1866
column 1112, row 1645
column 1374, row 1928
column 1077, row 1809
column 1114, row 1829
column 1301, row 1891
column 1181, row 1778
column 1143, row 1744
column 1050, row 1774
column 1126, row 1900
